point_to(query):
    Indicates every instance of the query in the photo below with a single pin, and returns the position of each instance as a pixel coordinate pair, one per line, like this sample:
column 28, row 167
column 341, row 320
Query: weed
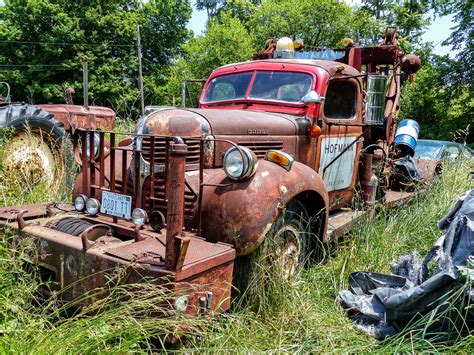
column 293, row 315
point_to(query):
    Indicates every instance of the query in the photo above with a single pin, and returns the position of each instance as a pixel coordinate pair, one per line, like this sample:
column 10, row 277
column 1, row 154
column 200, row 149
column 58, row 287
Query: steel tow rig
column 278, row 152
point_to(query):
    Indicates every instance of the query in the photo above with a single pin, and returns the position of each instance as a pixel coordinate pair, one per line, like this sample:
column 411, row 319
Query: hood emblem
column 257, row 131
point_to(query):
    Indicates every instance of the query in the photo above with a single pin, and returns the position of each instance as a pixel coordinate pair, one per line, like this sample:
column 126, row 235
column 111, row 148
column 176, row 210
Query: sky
column 437, row 32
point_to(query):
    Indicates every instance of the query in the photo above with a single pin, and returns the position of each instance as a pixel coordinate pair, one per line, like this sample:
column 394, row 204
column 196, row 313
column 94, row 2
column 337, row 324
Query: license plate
column 116, row 205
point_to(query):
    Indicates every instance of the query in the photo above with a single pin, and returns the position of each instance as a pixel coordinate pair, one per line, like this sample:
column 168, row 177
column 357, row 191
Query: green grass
column 282, row 315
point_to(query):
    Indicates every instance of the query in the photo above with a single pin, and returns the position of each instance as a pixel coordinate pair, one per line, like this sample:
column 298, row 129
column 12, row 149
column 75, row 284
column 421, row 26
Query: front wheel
column 287, row 247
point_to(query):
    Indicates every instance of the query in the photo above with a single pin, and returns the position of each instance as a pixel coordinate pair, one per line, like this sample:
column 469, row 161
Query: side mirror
column 312, row 97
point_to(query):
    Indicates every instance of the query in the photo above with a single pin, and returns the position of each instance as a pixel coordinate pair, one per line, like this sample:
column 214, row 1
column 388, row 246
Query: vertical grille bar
column 152, row 172
column 101, row 159
column 138, row 196
column 85, row 185
column 201, row 186
column 112, row 162
column 124, row 171
column 92, row 161
column 167, row 148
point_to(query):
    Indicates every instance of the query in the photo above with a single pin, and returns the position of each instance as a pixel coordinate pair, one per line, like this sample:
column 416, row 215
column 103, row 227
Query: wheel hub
column 29, row 157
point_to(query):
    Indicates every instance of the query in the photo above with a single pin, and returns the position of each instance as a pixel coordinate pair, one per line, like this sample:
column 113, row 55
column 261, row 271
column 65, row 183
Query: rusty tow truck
column 278, row 149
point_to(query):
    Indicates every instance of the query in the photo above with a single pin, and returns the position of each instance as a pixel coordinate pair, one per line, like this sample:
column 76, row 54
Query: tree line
column 45, row 41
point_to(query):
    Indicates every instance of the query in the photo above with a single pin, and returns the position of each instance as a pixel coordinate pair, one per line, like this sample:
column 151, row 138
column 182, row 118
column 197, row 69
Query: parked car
column 441, row 150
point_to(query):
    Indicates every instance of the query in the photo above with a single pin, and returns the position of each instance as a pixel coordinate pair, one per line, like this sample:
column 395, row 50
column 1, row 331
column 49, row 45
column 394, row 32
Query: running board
column 341, row 222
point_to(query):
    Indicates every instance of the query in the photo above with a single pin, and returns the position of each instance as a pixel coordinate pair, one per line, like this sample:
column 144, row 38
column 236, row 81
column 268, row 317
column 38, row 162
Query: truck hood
column 198, row 122
column 243, row 122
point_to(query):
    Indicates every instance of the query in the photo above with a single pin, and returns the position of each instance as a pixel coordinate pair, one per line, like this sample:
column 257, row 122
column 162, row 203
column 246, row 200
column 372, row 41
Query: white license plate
column 116, row 205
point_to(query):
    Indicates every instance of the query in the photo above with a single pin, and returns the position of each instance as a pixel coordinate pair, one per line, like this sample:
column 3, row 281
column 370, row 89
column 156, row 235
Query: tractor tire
column 33, row 151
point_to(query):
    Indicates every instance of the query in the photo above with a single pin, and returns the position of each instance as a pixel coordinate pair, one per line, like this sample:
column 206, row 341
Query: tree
column 409, row 16
column 43, row 42
column 320, row 23
column 223, row 43
column 439, row 104
column 462, row 36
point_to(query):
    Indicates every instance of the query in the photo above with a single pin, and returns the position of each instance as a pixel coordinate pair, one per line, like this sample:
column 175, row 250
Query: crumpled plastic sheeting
column 406, row 167
column 382, row 304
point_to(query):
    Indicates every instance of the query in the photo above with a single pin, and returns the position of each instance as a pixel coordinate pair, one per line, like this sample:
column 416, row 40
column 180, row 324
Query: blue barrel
column 406, row 137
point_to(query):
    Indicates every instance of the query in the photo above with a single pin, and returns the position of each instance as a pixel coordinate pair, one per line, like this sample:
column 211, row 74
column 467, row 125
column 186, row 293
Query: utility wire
column 56, row 17
column 70, row 44
column 34, row 65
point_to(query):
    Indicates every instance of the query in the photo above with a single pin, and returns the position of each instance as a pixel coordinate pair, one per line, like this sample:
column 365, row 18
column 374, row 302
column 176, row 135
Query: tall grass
column 293, row 315
column 304, row 315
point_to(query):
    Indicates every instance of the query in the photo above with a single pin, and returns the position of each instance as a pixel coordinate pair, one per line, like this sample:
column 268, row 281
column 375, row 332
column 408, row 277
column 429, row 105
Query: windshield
column 428, row 150
column 267, row 85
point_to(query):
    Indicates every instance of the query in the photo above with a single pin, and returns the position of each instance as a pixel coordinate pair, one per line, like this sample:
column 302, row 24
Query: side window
column 451, row 152
column 341, row 100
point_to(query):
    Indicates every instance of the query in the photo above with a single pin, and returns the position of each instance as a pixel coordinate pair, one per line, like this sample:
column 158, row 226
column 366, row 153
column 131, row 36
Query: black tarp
column 383, row 304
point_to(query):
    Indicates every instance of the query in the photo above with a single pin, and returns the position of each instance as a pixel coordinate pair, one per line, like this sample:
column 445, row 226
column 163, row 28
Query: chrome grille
column 159, row 199
column 160, row 150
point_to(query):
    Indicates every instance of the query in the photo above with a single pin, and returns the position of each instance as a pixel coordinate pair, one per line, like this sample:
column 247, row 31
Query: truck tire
column 34, row 151
column 287, row 246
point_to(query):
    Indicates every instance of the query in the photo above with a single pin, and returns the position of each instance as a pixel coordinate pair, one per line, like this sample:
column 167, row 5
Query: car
column 427, row 149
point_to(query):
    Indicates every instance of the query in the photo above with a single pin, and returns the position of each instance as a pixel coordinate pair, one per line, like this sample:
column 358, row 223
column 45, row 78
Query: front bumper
column 205, row 272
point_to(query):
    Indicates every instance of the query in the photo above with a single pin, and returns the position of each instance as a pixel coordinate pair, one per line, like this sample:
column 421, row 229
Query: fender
column 242, row 213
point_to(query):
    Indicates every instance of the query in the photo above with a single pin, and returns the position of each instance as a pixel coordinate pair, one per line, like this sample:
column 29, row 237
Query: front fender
column 242, row 213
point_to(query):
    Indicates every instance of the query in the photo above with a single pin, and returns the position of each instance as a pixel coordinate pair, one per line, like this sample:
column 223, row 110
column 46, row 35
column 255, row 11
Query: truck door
column 339, row 144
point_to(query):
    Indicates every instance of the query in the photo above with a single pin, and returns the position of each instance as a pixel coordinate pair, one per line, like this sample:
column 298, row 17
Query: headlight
column 139, row 216
column 92, row 206
column 181, row 304
column 239, row 166
column 88, row 145
column 80, row 203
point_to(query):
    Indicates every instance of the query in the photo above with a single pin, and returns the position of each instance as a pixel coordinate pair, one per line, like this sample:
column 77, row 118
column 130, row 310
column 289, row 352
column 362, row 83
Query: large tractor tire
column 33, row 149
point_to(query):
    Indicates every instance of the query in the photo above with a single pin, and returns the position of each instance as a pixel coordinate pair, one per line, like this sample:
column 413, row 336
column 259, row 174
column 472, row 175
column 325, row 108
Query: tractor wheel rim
column 29, row 157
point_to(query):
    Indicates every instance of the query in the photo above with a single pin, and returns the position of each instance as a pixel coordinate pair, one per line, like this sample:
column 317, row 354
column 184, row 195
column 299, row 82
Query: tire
column 287, row 248
column 34, row 152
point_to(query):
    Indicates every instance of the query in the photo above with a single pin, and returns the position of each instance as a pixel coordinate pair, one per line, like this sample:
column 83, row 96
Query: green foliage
column 224, row 42
column 438, row 102
column 321, row 23
column 50, row 37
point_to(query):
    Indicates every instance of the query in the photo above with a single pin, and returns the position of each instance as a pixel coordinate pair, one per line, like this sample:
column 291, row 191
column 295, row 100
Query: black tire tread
column 19, row 115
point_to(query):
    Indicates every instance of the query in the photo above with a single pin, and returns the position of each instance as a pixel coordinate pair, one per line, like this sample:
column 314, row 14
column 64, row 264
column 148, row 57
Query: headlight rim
column 97, row 208
column 249, row 162
column 145, row 216
column 96, row 146
column 85, row 198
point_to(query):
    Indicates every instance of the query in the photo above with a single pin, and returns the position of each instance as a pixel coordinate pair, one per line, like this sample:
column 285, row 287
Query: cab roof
column 331, row 67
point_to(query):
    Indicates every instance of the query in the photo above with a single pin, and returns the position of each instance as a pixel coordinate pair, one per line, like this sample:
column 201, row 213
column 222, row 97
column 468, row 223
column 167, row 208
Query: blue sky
column 437, row 32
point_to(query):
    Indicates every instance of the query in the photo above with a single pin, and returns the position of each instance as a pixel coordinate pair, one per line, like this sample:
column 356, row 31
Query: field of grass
column 293, row 316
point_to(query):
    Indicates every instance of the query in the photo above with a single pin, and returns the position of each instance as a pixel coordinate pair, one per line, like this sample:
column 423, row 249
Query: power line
column 34, row 65
column 56, row 17
column 69, row 43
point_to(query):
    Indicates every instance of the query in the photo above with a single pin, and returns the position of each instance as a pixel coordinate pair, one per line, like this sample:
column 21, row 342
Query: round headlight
column 139, row 216
column 80, row 203
column 88, row 145
column 181, row 304
column 239, row 165
column 92, row 206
